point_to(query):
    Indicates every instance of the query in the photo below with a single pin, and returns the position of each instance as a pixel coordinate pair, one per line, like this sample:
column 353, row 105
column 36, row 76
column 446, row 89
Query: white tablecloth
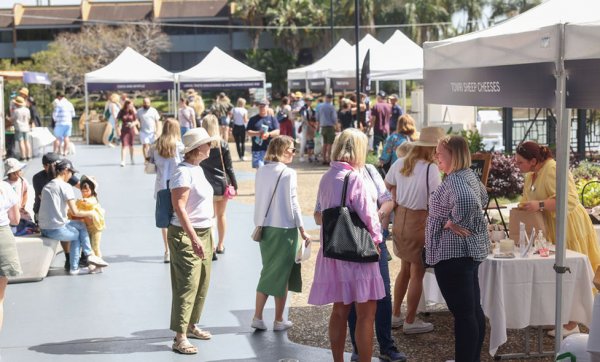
column 516, row 293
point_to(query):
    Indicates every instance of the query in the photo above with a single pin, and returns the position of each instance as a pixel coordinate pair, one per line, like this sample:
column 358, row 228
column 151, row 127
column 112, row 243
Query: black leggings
column 239, row 134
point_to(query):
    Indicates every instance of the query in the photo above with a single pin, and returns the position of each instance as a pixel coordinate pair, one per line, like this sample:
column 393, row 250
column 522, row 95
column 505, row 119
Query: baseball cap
column 49, row 158
column 381, row 94
column 329, row 95
column 263, row 102
column 65, row 164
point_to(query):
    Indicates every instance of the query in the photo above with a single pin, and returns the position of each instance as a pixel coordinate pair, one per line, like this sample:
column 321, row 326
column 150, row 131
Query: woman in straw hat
column 414, row 178
column 457, row 241
column 21, row 119
column 190, row 241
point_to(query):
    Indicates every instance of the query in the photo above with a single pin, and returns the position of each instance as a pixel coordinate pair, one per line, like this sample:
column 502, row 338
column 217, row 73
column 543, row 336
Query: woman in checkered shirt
column 456, row 242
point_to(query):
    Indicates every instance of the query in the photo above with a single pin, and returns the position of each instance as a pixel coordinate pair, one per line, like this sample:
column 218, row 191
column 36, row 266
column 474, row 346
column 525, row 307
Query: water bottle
column 522, row 240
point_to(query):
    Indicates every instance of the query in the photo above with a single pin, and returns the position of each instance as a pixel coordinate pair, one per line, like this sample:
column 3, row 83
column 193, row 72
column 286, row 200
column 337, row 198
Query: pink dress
column 339, row 281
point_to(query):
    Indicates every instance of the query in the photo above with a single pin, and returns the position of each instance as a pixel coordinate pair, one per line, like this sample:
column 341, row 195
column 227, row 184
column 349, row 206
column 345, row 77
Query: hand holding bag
column 345, row 235
column 257, row 233
column 150, row 168
column 304, row 251
column 229, row 191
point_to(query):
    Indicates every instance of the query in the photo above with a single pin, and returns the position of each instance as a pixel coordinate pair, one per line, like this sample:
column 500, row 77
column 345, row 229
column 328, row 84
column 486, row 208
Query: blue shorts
column 258, row 158
column 62, row 131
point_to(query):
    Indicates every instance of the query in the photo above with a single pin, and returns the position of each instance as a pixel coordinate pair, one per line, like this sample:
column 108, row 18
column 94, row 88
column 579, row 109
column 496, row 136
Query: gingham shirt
column 459, row 198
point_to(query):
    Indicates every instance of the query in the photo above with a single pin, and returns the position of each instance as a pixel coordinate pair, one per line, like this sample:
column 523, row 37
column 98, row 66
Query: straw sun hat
column 19, row 101
column 13, row 165
column 430, row 136
column 196, row 137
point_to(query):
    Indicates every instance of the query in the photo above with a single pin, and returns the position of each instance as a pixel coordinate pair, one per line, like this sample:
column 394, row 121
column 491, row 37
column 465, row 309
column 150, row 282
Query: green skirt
column 278, row 252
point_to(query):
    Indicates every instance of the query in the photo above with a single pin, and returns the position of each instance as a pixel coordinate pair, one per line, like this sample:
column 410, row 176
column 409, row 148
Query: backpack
column 107, row 112
column 281, row 115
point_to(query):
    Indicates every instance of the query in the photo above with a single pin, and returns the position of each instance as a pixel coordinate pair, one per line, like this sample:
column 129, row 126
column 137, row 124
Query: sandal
column 198, row 333
column 184, row 347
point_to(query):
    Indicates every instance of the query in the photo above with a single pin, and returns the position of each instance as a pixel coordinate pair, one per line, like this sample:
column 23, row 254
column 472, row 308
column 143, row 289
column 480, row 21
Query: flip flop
column 184, row 347
column 198, row 333
column 222, row 251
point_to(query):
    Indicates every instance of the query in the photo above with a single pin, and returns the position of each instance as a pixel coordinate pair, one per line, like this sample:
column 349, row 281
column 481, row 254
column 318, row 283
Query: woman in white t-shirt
column 414, row 178
column 239, row 120
column 165, row 154
column 190, row 241
column 9, row 259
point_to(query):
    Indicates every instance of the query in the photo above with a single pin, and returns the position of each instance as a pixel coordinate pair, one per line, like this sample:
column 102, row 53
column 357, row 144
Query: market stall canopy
column 398, row 59
column 513, row 64
column 130, row 71
column 26, row 77
column 218, row 70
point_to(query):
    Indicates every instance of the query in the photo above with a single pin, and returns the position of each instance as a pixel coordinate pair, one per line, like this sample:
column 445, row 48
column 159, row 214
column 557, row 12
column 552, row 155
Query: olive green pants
column 190, row 276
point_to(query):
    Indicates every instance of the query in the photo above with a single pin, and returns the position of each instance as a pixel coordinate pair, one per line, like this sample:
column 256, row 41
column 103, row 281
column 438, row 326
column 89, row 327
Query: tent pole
column 562, row 171
column 404, row 95
column 87, row 120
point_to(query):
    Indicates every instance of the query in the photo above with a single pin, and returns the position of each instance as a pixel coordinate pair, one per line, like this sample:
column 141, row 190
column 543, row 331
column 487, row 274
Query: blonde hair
column 459, row 150
column 277, row 147
column 241, row 102
column 210, row 123
column 406, row 125
column 350, row 146
column 114, row 98
column 416, row 153
column 166, row 144
column 403, row 149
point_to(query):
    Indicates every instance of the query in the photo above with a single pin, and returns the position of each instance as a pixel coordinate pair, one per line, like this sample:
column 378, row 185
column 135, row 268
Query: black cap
column 49, row 158
column 329, row 95
column 381, row 94
column 65, row 164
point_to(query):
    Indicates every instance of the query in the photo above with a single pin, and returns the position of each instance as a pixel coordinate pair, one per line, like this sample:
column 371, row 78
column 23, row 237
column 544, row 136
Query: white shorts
column 147, row 138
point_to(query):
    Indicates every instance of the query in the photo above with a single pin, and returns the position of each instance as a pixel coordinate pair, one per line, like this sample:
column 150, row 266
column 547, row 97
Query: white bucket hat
column 196, row 137
column 13, row 165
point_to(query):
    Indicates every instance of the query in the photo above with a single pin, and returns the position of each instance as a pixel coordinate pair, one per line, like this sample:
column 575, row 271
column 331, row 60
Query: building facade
column 25, row 30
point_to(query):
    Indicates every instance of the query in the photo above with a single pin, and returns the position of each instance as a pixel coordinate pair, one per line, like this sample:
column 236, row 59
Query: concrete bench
column 35, row 254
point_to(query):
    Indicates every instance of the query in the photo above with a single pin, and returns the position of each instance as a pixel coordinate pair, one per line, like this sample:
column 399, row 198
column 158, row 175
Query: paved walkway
column 123, row 314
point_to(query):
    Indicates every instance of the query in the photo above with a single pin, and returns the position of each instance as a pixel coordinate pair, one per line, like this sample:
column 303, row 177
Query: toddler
column 89, row 202
column 310, row 138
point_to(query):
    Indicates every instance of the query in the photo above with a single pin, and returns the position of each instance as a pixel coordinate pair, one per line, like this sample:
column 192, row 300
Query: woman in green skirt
column 277, row 210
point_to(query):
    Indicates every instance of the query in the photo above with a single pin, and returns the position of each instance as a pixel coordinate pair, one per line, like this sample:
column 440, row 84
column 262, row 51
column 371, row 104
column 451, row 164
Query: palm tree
column 502, row 9
column 427, row 12
column 472, row 10
column 251, row 12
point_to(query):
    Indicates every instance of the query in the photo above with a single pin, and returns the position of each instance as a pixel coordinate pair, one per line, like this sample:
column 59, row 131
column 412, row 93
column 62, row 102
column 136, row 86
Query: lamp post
column 356, row 35
column 331, row 22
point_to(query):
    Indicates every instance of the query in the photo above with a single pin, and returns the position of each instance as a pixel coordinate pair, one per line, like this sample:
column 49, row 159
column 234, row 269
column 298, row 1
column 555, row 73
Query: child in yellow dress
column 89, row 202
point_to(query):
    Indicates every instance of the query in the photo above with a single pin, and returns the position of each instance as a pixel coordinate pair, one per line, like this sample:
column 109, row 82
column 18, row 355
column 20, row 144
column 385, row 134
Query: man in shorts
column 149, row 119
column 327, row 117
column 261, row 128
column 63, row 123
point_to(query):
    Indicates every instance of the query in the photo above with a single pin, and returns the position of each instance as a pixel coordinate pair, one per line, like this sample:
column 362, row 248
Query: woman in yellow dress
column 539, row 194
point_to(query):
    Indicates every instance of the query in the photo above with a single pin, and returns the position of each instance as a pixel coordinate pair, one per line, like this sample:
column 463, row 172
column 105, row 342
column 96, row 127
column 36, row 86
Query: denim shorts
column 61, row 131
column 258, row 158
column 21, row 136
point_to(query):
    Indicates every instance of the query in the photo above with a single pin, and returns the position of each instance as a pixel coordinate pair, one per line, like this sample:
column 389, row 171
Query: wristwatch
column 541, row 204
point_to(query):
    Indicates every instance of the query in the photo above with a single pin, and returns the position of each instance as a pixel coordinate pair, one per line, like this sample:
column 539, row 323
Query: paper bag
column 530, row 219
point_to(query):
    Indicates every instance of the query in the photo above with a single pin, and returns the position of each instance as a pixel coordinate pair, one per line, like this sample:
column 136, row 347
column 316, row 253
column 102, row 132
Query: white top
column 187, row 117
column 411, row 191
column 165, row 167
column 53, row 207
column 285, row 208
column 148, row 118
column 21, row 118
column 63, row 112
column 8, row 198
column 238, row 114
column 199, row 205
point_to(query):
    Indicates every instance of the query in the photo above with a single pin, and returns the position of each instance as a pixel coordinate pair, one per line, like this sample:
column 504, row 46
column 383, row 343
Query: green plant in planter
column 591, row 192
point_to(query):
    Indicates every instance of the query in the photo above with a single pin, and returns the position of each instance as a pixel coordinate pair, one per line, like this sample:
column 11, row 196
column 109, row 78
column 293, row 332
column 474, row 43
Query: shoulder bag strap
column 272, row 196
column 346, row 178
column 223, row 165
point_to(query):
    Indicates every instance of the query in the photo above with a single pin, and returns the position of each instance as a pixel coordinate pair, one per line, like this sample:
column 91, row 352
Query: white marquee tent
column 218, row 70
column 524, row 62
column 399, row 59
column 128, row 71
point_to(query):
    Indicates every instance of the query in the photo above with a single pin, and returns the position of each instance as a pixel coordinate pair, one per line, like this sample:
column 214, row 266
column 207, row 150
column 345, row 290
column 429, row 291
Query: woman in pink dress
column 129, row 129
column 343, row 282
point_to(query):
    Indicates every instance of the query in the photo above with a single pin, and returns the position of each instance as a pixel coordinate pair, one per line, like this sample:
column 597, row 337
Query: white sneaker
column 282, row 326
column 96, row 270
column 97, row 261
column 122, row 163
column 258, row 324
column 301, row 159
column 167, row 257
column 565, row 332
column 79, row 271
column 397, row 322
column 416, row 327
column 243, row 158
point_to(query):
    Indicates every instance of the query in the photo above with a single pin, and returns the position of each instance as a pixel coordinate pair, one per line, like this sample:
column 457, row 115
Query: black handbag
column 164, row 208
column 345, row 235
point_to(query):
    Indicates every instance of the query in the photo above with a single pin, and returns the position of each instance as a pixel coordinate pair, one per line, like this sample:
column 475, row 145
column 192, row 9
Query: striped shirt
column 63, row 112
column 459, row 198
